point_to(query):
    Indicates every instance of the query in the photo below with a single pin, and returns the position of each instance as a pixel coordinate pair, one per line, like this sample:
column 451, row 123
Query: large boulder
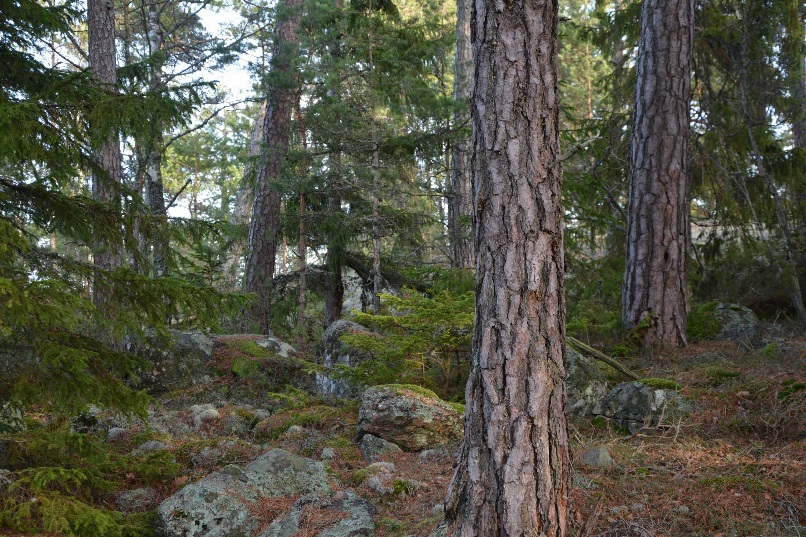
column 334, row 352
column 634, row 406
column 177, row 365
column 586, row 384
column 411, row 417
column 224, row 503
column 739, row 324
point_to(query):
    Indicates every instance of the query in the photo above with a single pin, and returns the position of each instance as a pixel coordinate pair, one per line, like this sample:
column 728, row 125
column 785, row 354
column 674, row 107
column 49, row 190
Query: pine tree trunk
column 514, row 469
column 103, row 63
column 280, row 99
column 654, row 289
column 460, row 193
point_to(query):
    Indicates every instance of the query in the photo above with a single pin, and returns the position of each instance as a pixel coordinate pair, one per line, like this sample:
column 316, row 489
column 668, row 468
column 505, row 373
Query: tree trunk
column 155, row 196
column 654, row 289
column 102, row 60
column 514, row 469
column 460, row 193
column 334, row 285
column 280, row 101
column 244, row 198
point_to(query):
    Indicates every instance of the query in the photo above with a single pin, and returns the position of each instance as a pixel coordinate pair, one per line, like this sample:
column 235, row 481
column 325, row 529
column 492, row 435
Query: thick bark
column 460, row 193
column 514, row 470
column 102, row 60
column 654, row 289
column 280, row 99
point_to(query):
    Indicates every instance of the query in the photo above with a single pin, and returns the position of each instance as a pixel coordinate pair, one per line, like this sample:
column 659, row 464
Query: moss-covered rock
column 410, row 416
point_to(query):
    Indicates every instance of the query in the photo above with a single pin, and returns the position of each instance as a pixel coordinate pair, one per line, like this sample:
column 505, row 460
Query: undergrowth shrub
column 701, row 322
column 63, row 478
column 593, row 298
column 424, row 340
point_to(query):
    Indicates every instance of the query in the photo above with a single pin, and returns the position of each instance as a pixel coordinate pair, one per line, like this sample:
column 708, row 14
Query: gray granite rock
column 218, row 504
column 409, row 416
column 334, row 352
column 152, row 446
column 598, row 457
column 373, row 447
column 739, row 324
column 137, row 500
column 586, row 384
column 177, row 365
column 349, row 515
column 633, row 406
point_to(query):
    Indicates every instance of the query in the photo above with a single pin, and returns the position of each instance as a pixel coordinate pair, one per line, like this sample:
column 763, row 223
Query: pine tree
column 513, row 476
column 654, row 291
column 280, row 100
column 54, row 337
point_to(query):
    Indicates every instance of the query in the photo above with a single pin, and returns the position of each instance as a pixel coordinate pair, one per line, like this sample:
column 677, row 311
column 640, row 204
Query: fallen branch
column 590, row 351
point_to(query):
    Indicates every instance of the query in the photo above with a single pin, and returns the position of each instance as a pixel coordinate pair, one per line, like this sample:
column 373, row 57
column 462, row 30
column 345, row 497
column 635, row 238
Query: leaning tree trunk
column 654, row 289
column 102, row 60
column 514, row 468
column 460, row 193
column 280, row 99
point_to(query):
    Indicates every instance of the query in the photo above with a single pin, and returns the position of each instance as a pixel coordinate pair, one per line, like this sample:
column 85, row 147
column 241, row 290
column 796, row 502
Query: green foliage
column 593, row 299
column 63, row 477
column 62, row 350
column 701, row 322
column 423, row 338
column 244, row 367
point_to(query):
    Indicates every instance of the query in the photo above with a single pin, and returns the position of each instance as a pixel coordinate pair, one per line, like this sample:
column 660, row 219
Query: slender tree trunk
column 334, row 285
column 376, row 179
column 155, row 195
column 303, row 250
column 102, row 60
column 460, row 194
column 276, row 132
column 514, row 468
column 244, row 197
column 654, row 289
column 303, row 261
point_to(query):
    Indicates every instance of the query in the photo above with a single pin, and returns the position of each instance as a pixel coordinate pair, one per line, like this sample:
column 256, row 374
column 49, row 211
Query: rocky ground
column 713, row 444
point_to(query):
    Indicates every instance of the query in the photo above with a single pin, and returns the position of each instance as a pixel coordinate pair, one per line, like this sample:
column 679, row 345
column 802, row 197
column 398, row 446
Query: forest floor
column 736, row 467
